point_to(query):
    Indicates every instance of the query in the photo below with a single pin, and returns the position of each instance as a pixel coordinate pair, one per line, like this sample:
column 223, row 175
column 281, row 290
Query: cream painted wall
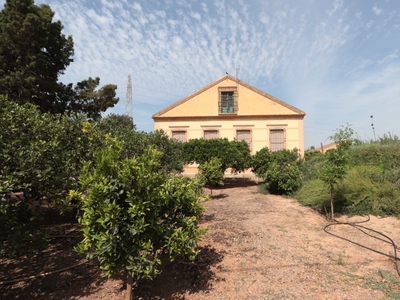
column 257, row 111
column 227, row 129
column 206, row 103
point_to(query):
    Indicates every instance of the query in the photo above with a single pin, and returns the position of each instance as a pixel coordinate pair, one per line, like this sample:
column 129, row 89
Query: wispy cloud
column 377, row 10
column 336, row 60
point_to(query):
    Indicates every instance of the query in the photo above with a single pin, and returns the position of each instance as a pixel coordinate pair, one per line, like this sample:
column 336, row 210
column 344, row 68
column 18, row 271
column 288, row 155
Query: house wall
column 256, row 111
column 206, row 103
column 260, row 130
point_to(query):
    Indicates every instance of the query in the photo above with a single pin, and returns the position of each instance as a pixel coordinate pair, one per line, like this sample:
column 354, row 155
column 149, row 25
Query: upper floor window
column 228, row 100
column 227, row 103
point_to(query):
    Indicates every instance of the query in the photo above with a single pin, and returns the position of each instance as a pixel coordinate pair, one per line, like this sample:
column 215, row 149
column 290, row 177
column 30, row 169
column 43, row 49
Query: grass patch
column 386, row 282
column 314, row 193
column 367, row 190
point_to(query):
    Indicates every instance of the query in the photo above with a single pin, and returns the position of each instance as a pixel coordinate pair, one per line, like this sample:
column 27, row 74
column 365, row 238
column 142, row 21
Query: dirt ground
column 258, row 247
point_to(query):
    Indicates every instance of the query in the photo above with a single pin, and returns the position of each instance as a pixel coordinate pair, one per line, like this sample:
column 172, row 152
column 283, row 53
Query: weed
column 319, row 246
column 340, row 260
column 386, row 282
column 337, row 259
column 268, row 292
column 272, row 247
column 352, row 276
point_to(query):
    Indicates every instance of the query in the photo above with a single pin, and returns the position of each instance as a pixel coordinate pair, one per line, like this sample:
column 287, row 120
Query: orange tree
column 231, row 154
column 133, row 213
column 280, row 170
column 336, row 161
column 40, row 158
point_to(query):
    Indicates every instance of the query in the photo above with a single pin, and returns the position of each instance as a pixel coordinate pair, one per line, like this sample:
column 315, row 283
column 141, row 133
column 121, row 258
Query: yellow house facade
column 230, row 108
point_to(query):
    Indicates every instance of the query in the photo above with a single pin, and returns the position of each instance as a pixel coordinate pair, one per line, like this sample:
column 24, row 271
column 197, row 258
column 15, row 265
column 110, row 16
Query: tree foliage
column 87, row 99
column 133, row 212
column 231, row 154
column 40, row 158
column 34, row 53
column 261, row 161
column 280, row 170
column 336, row 161
column 135, row 143
column 211, row 173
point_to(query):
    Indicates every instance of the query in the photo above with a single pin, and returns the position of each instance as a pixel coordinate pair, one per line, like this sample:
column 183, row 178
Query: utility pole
column 128, row 100
column 373, row 128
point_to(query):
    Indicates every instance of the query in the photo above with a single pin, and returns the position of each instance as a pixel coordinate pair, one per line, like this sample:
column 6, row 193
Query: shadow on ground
column 181, row 277
column 72, row 283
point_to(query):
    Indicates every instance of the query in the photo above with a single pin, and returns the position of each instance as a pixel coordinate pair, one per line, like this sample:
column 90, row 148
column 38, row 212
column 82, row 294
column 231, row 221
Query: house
column 326, row 147
column 230, row 108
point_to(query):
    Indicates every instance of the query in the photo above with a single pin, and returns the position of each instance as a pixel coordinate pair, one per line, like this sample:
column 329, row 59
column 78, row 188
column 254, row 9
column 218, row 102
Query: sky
column 336, row 60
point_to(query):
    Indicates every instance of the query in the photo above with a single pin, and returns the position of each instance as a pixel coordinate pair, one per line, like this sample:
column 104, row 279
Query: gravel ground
column 258, row 247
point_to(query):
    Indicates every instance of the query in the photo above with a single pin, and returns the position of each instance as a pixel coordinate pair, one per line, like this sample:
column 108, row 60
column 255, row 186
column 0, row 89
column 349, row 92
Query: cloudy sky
column 336, row 60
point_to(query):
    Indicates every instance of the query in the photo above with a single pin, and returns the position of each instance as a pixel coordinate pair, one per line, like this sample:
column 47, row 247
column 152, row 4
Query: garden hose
column 368, row 231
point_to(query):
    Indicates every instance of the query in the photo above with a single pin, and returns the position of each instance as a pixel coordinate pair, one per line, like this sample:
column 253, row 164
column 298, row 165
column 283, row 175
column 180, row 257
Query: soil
column 258, row 247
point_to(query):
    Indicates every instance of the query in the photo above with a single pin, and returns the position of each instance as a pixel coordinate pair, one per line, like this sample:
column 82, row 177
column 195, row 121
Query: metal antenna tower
column 128, row 101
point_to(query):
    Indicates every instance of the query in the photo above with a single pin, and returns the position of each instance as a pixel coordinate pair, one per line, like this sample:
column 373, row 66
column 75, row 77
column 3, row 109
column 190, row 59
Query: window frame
column 179, row 130
column 210, row 130
column 282, row 143
column 250, row 142
column 223, row 109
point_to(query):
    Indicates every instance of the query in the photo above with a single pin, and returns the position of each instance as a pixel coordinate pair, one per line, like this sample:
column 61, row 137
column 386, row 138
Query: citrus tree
column 134, row 214
column 231, row 154
column 211, row 173
column 335, row 164
column 40, row 159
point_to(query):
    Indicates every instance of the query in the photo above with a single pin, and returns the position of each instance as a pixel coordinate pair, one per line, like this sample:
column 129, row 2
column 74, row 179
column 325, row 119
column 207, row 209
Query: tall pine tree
column 34, row 53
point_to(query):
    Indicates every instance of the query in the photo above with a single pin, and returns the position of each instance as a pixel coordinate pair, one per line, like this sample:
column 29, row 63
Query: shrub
column 282, row 179
column 366, row 191
column 311, row 168
column 384, row 156
column 260, row 162
column 135, row 143
column 234, row 154
column 314, row 193
column 133, row 213
column 280, row 170
column 40, row 158
column 211, row 173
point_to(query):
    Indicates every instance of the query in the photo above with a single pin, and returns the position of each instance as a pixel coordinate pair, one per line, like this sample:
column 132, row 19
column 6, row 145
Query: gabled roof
column 242, row 83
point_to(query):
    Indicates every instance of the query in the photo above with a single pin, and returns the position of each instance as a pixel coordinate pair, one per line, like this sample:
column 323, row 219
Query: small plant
column 211, row 173
column 336, row 161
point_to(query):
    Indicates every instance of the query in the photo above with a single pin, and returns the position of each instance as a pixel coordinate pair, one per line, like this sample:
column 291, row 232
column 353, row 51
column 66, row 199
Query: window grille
column 244, row 135
column 227, row 103
column 277, row 139
column 179, row 135
column 210, row 134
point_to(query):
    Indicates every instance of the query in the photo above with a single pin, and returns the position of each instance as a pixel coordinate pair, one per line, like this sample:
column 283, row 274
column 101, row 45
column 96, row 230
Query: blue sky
column 336, row 60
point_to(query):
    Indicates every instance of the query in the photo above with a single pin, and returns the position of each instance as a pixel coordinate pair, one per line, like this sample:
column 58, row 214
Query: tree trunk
column 129, row 283
column 332, row 213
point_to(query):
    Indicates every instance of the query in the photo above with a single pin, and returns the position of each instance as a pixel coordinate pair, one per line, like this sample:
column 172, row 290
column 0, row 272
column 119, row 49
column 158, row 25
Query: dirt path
column 258, row 247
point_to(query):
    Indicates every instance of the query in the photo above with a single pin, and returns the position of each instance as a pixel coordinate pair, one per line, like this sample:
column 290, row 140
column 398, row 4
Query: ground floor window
column 210, row 134
column 244, row 135
column 179, row 135
column 277, row 139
